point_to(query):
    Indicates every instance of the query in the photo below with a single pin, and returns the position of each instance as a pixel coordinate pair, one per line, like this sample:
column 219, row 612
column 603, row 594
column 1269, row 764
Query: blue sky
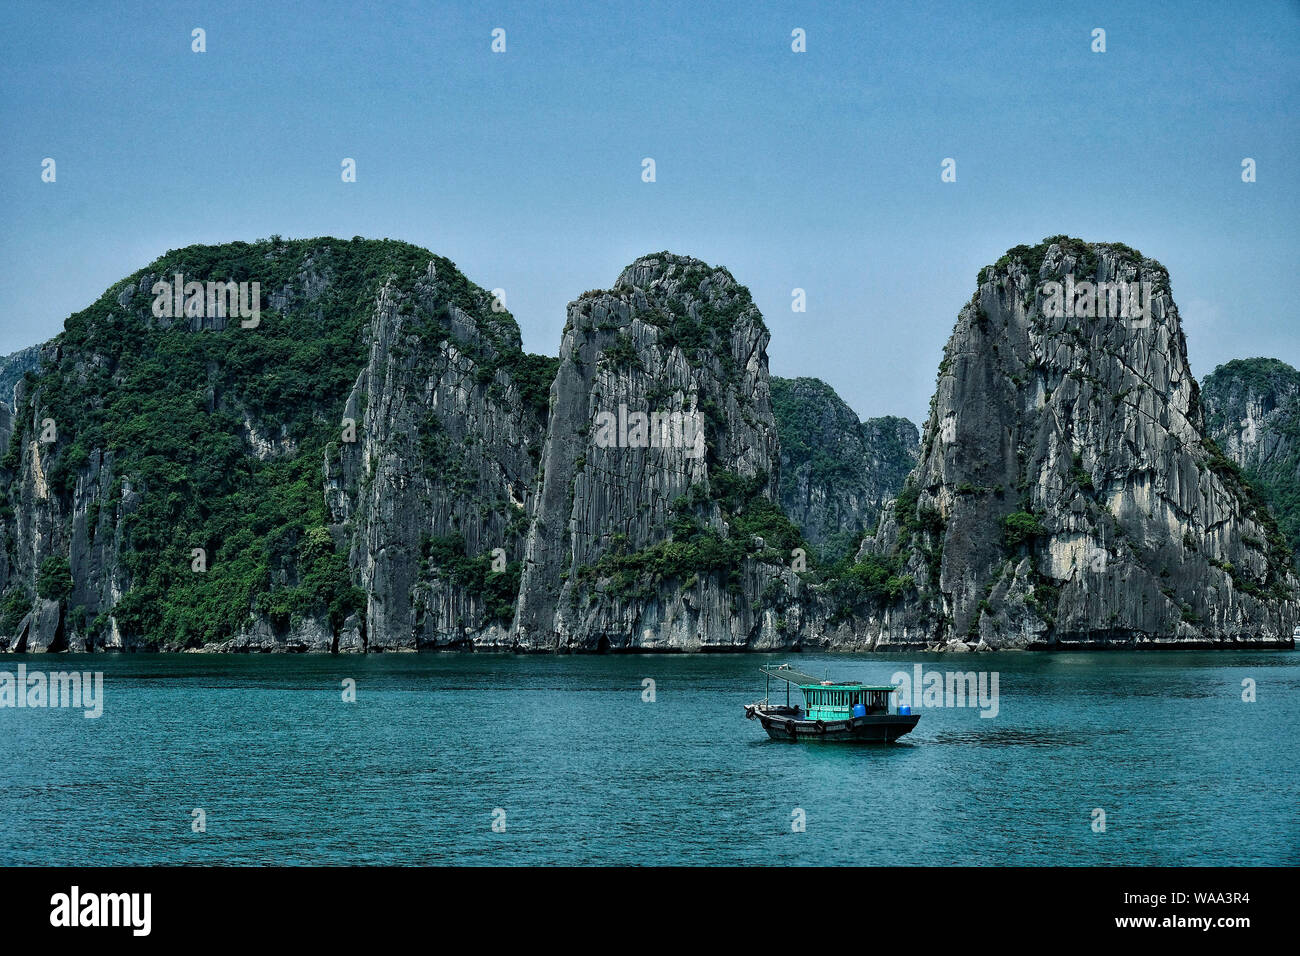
column 818, row 170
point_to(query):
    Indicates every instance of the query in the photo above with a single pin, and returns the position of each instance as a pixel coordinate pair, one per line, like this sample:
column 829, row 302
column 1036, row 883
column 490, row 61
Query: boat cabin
column 834, row 700
column 826, row 701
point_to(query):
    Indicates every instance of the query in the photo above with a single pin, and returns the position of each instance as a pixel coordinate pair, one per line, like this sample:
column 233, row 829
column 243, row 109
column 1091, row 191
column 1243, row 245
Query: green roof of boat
column 786, row 673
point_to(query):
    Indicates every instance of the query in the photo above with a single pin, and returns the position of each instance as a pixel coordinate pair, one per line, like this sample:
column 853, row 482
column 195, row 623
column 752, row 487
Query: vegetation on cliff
column 221, row 432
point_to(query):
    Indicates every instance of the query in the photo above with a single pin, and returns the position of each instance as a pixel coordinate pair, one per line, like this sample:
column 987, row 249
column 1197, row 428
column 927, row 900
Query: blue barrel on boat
column 859, row 710
column 905, row 711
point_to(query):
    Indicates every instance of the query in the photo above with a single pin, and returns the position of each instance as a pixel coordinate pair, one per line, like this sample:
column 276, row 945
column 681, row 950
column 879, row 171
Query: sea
column 1099, row 758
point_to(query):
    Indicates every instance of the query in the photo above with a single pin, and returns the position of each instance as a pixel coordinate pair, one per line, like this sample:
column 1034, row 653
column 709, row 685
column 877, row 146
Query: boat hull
column 872, row 729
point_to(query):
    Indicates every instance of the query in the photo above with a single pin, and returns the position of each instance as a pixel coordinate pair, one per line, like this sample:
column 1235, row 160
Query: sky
column 818, row 170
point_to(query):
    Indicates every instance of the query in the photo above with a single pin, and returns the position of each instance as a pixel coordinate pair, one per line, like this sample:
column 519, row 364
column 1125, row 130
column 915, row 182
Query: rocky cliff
column 1252, row 410
column 13, row 367
column 347, row 469
column 1067, row 492
column 836, row 472
column 353, row 453
column 656, row 523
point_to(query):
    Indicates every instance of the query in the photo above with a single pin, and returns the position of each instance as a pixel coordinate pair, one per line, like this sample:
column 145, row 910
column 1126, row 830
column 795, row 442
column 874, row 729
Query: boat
column 832, row 711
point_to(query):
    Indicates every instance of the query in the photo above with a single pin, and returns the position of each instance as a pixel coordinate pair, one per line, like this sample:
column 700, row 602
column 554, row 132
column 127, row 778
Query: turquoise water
column 589, row 773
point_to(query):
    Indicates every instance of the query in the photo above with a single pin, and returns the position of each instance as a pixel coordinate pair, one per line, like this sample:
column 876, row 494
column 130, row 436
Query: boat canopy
column 807, row 682
column 832, row 700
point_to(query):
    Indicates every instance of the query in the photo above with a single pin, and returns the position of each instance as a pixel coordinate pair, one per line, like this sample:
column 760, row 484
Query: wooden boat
column 832, row 711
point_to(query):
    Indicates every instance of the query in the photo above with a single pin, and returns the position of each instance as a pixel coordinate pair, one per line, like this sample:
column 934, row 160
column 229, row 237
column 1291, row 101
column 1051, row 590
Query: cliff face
column 1066, row 493
column 1252, row 409
column 60, row 543
column 372, row 463
column 439, row 484
column 13, row 367
column 836, row 472
column 652, row 544
column 337, row 472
